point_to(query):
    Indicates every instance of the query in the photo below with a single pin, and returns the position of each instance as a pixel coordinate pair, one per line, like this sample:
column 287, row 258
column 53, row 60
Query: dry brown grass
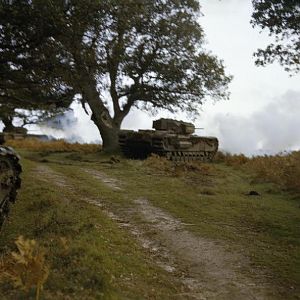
column 25, row 268
column 282, row 169
column 53, row 146
column 178, row 169
column 158, row 163
column 231, row 160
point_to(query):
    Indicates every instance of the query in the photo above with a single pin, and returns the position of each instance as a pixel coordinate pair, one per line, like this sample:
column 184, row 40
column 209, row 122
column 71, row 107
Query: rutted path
column 110, row 182
column 205, row 267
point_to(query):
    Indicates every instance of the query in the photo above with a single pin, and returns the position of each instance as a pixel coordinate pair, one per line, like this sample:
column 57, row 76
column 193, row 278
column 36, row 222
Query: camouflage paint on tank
column 170, row 138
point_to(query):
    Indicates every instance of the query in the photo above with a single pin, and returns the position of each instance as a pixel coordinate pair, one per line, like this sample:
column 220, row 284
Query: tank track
column 10, row 181
column 158, row 148
column 181, row 156
column 186, row 156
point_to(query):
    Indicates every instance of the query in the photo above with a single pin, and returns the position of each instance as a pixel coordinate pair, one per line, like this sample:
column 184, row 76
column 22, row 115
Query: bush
column 282, row 169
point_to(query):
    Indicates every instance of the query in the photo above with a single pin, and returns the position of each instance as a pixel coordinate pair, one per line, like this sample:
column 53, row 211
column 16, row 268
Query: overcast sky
column 263, row 110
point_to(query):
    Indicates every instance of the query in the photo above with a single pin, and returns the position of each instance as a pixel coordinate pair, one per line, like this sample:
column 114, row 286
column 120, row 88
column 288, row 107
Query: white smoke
column 73, row 126
column 273, row 129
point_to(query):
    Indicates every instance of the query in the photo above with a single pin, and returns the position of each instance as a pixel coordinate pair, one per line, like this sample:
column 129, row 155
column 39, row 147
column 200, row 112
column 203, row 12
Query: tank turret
column 19, row 133
column 179, row 127
column 171, row 138
column 16, row 130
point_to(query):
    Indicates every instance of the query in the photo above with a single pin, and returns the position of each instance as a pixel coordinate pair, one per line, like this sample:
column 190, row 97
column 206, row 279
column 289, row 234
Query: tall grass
column 282, row 169
column 53, row 146
column 166, row 167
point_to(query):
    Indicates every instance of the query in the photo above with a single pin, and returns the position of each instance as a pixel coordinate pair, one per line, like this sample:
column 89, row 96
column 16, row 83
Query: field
column 113, row 228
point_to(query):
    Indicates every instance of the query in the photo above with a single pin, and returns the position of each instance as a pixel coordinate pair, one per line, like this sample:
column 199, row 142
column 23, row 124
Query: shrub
column 282, row 169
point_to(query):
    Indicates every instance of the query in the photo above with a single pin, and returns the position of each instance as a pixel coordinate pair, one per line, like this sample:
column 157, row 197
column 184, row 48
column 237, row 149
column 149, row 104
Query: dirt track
column 207, row 268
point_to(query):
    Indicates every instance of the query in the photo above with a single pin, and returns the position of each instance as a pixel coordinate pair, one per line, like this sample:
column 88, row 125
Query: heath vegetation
column 65, row 197
column 282, row 169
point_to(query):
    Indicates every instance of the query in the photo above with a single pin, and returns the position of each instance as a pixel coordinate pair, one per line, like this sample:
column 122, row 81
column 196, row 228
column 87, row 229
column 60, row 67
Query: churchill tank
column 170, row 138
column 10, row 182
column 20, row 133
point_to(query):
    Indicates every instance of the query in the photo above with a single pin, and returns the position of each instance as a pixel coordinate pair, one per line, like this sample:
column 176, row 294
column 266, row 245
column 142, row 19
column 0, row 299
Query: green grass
column 213, row 203
column 102, row 262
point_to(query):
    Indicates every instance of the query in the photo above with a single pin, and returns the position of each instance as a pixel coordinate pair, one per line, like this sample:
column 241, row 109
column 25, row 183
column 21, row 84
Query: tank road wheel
column 10, row 170
column 210, row 156
column 169, row 155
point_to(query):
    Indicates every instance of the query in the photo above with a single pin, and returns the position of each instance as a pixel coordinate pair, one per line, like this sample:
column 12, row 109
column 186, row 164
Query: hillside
column 119, row 229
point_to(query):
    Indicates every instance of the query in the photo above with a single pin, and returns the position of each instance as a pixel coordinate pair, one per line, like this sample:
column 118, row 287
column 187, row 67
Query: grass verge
column 89, row 256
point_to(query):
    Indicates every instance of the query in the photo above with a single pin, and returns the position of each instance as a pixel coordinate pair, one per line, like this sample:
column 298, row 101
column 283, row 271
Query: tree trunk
column 110, row 139
column 108, row 127
column 8, row 125
column 109, row 130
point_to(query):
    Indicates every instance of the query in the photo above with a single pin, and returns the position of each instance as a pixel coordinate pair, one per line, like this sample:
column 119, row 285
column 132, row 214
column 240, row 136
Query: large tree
column 119, row 54
column 28, row 81
column 282, row 19
column 23, row 114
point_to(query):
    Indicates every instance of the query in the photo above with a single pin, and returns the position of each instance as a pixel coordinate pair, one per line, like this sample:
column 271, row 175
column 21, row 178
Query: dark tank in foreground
column 172, row 139
column 10, row 182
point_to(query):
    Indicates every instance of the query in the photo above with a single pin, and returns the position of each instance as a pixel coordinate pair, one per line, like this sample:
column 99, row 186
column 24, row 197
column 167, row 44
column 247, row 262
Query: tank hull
column 176, row 147
column 6, row 136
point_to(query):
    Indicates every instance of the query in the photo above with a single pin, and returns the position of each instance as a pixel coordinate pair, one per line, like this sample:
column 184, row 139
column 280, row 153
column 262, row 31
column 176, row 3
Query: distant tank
column 10, row 182
column 173, row 139
column 19, row 133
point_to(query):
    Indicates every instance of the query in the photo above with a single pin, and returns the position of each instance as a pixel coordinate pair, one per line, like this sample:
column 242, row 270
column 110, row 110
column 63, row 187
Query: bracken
column 25, row 268
column 282, row 169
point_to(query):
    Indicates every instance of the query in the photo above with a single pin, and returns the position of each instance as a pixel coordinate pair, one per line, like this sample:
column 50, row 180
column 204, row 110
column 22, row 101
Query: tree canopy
column 119, row 54
column 27, row 80
column 282, row 19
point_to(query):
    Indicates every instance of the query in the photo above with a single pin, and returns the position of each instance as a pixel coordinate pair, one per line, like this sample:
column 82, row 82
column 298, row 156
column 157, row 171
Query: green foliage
column 141, row 53
column 92, row 256
column 155, row 56
column 282, row 19
column 27, row 77
column 213, row 202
